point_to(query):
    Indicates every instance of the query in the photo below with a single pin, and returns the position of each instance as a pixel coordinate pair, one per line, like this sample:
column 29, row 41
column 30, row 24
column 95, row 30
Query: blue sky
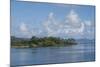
column 48, row 19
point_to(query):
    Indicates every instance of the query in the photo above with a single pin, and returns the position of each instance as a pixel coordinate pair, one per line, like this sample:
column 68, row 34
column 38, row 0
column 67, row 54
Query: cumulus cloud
column 72, row 19
column 72, row 25
column 51, row 25
column 25, row 30
column 88, row 23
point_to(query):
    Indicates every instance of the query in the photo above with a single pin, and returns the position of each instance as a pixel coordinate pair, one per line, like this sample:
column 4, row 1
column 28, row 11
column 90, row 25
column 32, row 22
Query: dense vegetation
column 41, row 42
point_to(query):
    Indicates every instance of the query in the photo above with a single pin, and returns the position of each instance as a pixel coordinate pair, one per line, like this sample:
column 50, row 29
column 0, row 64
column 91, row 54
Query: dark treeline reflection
column 41, row 42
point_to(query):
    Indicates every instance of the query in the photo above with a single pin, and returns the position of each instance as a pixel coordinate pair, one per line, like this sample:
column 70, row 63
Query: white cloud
column 51, row 25
column 51, row 15
column 71, row 26
column 25, row 30
column 73, row 17
column 36, row 32
column 88, row 23
column 73, row 23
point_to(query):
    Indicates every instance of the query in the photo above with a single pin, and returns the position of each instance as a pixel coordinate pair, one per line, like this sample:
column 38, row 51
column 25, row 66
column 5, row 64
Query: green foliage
column 43, row 42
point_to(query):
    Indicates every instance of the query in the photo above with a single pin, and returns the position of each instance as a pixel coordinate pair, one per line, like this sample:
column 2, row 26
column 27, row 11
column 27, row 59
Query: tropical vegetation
column 41, row 42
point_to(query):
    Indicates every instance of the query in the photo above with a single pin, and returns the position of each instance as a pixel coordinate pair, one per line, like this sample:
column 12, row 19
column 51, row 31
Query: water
column 48, row 55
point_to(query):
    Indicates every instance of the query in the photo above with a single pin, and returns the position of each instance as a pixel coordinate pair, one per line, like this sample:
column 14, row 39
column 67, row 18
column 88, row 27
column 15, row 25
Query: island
column 41, row 42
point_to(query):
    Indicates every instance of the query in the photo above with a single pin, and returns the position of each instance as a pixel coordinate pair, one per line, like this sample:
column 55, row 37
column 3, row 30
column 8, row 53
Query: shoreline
column 40, row 47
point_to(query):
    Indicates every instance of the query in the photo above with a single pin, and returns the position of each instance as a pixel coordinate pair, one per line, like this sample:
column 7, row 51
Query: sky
column 51, row 19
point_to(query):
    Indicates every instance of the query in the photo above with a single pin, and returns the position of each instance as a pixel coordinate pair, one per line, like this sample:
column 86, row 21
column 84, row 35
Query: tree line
column 42, row 42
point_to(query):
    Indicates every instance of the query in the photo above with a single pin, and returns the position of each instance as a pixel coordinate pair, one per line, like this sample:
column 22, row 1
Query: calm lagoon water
column 48, row 55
